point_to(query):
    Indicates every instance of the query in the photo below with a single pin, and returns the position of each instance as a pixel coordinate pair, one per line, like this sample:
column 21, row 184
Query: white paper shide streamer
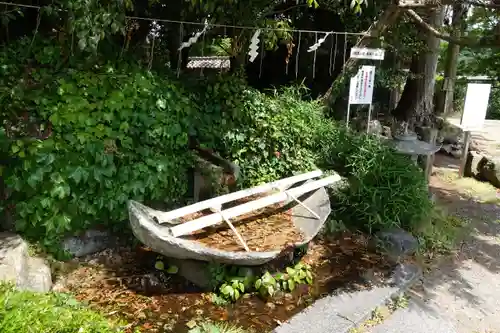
column 254, row 46
column 195, row 38
column 320, row 41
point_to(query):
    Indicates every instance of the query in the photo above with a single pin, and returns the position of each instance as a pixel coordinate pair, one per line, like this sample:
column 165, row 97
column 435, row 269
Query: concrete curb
column 339, row 313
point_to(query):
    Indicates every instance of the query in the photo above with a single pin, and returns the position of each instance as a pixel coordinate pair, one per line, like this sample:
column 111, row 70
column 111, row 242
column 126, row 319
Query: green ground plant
column 210, row 327
column 439, row 234
column 231, row 282
column 24, row 311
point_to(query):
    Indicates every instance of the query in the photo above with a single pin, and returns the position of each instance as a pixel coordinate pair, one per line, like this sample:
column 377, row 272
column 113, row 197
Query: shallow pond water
column 123, row 282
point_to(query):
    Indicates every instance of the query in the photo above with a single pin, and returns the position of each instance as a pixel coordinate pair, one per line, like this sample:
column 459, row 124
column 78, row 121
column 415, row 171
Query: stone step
column 343, row 312
column 416, row 318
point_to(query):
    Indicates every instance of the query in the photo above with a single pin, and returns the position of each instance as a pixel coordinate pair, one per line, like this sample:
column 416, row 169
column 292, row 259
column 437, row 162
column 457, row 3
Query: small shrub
column 231, row 282
column 233, row 289
column 266, row 285
column 24, row 311
column 385, row 188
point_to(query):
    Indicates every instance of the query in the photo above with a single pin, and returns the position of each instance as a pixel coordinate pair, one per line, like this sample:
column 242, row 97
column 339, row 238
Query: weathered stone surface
column 427, row 134
column 472, row 164
column 158, row 238
column 386, row 131
column 396, row 243
column 28, row 273
column 194, row 271
column 13, row 257
column 375, row 127
column 39, row 276
column 90, row 242
column 343, row 312
column 449, row 133
column 457, row 153
column 452, row 149
column 490, row 171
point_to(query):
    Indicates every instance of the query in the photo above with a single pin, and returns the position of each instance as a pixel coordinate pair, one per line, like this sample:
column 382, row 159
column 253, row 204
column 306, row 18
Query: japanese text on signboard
column 361, row 87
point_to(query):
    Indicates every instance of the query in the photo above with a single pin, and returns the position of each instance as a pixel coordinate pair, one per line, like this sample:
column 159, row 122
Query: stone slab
column 342, row 312
column 416, row 318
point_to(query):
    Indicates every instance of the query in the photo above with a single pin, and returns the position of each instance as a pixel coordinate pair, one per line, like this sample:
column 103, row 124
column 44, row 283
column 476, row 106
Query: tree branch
column 409, row 4
column 459, row 41
column 387, row 18
column 478, row 3
column 285, row 10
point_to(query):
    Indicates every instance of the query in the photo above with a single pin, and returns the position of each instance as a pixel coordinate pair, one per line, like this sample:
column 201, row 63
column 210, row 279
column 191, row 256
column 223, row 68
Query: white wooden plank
column 163, row 217
column 240, row 238
column 303, row 205
column 206, row 221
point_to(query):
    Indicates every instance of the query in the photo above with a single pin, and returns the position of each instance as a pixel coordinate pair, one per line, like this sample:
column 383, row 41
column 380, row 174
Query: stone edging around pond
column 345, row 311
column 483, row 168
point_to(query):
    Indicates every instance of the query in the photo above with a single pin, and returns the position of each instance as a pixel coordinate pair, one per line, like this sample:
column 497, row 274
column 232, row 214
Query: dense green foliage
column 24, row 311
column 116, row 133
column 382, row 183
column 269, row 135
column 87, row 136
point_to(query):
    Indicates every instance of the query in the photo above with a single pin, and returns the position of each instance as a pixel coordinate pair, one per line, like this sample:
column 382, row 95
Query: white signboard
column 361, row 87
column 476, row 104
column 366, row 53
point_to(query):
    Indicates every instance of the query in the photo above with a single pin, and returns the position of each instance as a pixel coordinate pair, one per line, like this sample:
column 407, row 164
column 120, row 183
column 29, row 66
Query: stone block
column 92, row 241
column 27, row 273
column 395, row 243
column 472, row 164
column 489, row 170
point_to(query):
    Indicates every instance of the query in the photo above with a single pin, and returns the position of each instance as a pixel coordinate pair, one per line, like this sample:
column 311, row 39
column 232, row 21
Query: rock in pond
column 396, row 243
column 17, row 266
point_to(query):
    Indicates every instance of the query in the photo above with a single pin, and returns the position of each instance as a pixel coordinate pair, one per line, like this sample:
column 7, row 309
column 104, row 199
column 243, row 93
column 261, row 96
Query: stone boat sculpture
column 168, row 234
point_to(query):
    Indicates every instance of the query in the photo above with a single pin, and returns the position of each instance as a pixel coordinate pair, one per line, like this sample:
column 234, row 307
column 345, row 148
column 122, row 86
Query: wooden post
column 465, row 152
column 369, row 118
column 348, row 114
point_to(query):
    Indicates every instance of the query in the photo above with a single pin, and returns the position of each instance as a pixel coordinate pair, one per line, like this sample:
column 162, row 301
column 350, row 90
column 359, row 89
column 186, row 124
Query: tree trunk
column 416, row 104
column 445, row 98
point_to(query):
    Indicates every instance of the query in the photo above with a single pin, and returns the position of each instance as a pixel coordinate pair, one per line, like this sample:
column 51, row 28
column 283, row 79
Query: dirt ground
column 465, row 288
column 123, row 282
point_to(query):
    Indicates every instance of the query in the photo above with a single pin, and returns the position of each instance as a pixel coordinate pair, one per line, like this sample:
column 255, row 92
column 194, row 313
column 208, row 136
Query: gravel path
column 462, row 294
